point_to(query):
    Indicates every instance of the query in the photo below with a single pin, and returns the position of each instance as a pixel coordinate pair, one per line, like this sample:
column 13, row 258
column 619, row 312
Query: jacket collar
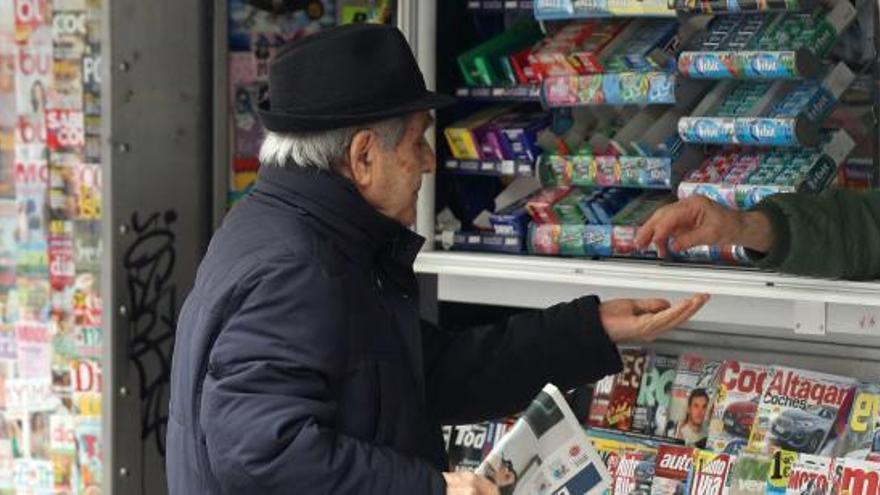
column 335, row 202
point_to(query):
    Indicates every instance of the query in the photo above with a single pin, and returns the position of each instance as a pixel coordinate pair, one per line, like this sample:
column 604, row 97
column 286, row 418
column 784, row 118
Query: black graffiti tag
column 149, row 265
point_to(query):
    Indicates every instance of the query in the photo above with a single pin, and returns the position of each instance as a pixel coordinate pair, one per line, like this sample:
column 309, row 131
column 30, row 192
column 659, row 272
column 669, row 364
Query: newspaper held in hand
column 546, row 451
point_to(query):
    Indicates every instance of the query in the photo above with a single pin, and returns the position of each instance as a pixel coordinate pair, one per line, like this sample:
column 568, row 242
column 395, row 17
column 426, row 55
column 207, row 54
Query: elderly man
column 300, row 364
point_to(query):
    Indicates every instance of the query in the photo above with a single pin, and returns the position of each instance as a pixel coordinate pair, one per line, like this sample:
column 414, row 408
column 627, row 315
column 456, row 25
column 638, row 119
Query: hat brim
column 278, row 121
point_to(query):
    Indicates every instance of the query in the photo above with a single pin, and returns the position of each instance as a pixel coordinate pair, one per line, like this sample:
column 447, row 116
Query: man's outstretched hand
column 468, row 484
column 643, row 320
column 698, row 221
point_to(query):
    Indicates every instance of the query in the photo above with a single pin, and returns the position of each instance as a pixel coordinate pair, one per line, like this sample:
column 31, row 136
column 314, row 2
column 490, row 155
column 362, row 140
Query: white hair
column 325, row 149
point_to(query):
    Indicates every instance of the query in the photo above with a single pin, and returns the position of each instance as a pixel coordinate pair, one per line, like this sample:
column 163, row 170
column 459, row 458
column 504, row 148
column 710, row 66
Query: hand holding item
column 468, row 484
column 643, row 320
column 698, row 221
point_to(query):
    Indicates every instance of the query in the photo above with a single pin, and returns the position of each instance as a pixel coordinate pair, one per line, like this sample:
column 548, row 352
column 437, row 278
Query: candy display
column 489, row 64
column 722, row 6
column 497, row 134
column 625, row 88
column 765, row 46
column 742, row 179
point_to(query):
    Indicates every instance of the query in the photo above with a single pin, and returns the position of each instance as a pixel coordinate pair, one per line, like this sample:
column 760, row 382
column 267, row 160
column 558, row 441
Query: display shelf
column 557, row 10
column 744, row 301
column 484, row 242
column 500, row 5
column 731, row 64
column 623, row 88
column 607, row 171
column 743, row 6
column 500, row 93
column 518, row 168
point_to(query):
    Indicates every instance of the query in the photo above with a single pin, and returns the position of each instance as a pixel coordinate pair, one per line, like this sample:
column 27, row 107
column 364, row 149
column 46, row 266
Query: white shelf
column 744, row 302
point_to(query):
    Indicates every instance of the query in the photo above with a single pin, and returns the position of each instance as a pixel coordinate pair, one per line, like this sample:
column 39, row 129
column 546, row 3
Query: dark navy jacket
column 301, row 366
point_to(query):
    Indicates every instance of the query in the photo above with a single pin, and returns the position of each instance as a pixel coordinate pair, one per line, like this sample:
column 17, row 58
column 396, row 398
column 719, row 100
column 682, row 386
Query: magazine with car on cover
column 862, row 424
column 710, row 474
column 634, row 474
column 749, row 475
column 546, row 451
column 652, row 404
column 797, row 410
column 810, row 475
column 626, row 390
column 739, row 390
column 674, row 463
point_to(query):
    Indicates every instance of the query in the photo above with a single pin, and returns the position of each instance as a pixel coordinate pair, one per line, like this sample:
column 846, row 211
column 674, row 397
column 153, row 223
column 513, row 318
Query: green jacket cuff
column 781, row 236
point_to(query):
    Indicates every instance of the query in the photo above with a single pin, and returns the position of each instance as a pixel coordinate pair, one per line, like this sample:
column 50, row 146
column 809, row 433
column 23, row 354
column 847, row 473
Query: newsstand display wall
column 576, row 121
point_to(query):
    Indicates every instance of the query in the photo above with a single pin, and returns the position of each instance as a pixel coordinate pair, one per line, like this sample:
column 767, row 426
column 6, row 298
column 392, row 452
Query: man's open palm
column 643, row 320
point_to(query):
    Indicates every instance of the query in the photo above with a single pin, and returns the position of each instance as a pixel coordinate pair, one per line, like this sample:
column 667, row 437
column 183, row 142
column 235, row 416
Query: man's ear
column 361, row 158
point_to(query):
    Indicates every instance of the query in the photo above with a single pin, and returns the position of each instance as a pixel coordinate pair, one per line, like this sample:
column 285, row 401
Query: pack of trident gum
column 541, row 204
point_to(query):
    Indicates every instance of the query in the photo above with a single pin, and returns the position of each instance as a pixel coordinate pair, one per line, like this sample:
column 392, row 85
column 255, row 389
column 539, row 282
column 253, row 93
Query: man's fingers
column 486, row 487
column 643, row 306
column 699, row 237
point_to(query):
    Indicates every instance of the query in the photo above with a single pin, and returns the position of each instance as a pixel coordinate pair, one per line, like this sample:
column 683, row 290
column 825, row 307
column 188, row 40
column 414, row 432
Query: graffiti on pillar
column 152, row 305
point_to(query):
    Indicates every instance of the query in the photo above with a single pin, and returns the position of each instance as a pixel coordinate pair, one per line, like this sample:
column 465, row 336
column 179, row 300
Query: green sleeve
column 836, row 234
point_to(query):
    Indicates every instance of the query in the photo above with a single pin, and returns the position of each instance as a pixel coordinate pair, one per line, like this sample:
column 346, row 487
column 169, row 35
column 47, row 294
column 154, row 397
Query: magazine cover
column 612, row 446
column 546, row 451
column 862, row 424
column 674, row 463
column 749, row 475
column 739, row 389
column 797, row 410
column 634, row 474
column 626, row 390
column 652, row 404
column 810, row 475
column 855, row 477
column 710, row 474
column 601, row 400
column 469, row 444
column 692, row 393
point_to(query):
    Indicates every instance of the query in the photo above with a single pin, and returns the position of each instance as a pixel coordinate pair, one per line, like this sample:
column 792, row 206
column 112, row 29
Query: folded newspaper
column 546, row 452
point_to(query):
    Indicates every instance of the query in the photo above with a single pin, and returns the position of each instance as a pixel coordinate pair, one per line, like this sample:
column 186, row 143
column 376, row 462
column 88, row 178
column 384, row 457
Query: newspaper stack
column 546, row 451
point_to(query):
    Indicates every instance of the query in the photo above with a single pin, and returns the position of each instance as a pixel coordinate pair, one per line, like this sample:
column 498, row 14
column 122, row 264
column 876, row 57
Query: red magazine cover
column 626, row 390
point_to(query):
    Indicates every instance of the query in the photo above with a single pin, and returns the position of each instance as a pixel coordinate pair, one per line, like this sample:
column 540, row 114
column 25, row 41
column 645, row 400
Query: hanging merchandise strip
column 627, row 88
column 51, row 340
column 772, row 46
column 781, row 114
column 723, row 6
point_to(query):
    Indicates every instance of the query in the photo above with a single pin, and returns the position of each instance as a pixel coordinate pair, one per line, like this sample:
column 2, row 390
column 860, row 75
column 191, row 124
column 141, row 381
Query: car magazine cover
column 601, row 399
column 652, row 404
column 810, row 475
column 692, row 395
column 862, row 424
column 634, row 474
column 855, row 477
column 797, row 410
column 710, row 474
column 674, row 463
column 626, row 390
column 546, row 451
column 739, row 390
column 781, row 463
column 749, row 475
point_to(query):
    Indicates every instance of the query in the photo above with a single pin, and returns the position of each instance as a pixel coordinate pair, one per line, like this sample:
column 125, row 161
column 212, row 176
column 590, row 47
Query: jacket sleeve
column 494, row 371
column 268, row 405
column 836, row 234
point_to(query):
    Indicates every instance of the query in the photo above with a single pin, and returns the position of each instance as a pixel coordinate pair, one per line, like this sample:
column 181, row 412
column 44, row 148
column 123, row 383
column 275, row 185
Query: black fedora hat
column 345, row 76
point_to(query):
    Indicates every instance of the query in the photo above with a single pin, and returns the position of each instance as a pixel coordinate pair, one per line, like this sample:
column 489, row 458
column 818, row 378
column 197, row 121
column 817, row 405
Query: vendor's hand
column 698, row 221
column 643, row 320
column 468, row 484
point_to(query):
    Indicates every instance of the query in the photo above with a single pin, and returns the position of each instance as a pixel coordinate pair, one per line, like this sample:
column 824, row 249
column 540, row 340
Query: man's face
column 698, row 410
column 397, row 173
